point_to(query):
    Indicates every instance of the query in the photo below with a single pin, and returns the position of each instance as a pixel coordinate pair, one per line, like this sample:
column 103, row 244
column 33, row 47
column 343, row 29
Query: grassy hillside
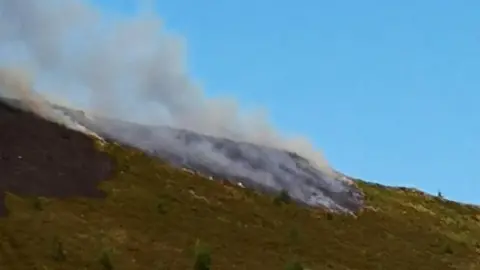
column 158, row 217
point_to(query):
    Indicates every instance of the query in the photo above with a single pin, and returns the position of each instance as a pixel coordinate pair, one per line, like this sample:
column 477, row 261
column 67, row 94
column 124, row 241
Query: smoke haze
column 129, row 68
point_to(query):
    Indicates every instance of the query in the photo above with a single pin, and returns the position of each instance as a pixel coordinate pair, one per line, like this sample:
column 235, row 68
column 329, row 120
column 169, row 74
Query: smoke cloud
column 127, row 68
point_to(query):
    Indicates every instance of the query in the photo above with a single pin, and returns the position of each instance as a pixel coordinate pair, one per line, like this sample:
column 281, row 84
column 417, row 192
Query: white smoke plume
column 130, row 68
column 16, row 85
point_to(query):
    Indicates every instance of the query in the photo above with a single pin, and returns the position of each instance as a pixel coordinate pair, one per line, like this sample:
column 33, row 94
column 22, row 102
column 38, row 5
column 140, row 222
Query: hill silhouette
column 150, row 215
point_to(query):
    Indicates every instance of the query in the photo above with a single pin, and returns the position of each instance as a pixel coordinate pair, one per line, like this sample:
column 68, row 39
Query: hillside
column 259, row 167
column 149, row 215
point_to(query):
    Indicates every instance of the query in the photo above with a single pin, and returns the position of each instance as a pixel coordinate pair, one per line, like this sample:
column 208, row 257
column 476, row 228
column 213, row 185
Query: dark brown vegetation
column 157, row 217
column 39, row 158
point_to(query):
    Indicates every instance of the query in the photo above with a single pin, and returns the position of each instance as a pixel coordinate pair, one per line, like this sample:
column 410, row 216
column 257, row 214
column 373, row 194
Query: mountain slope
column 258, row 167
column 154, row 214
column 38, row 157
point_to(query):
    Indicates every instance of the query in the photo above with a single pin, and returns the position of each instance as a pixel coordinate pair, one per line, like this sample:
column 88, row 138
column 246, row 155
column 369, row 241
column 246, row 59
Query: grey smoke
column 258, row 167
column 15, row 89
column 132, row 69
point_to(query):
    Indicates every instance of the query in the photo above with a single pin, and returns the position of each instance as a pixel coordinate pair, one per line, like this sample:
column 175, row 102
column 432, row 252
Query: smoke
column 128, row 68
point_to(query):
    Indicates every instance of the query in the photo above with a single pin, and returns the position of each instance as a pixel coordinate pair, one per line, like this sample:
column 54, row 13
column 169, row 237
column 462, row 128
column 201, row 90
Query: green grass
column 155, row 216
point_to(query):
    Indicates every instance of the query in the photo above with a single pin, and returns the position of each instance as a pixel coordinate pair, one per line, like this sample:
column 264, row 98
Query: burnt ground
column 40, row 158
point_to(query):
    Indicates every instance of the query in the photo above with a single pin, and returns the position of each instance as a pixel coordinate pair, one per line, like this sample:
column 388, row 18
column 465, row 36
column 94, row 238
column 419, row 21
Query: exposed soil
column 40, row 158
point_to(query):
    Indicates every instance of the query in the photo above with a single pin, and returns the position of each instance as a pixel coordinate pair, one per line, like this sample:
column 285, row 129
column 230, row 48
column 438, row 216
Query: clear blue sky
column 388, row 89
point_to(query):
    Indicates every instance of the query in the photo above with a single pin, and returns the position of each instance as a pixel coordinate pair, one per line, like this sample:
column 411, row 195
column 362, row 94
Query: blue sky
column 387, row 89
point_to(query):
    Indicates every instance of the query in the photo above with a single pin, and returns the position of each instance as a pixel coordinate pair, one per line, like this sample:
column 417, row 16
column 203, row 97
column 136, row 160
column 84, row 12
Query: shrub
column 105, row 261
column 59, row 253
column 448, row 249
column 203, row 260
column 282, row 198
column 294, row 266
column 37, row 204
column 161, row 209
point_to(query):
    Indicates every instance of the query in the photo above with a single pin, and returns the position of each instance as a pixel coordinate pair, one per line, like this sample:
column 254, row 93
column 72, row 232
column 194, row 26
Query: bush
column 161, row 209
column 37, row 204
column 448, row 249
column 59, row 253
column 294, row 266
column 105, row 261
column 282, row 198
column 203, row 260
